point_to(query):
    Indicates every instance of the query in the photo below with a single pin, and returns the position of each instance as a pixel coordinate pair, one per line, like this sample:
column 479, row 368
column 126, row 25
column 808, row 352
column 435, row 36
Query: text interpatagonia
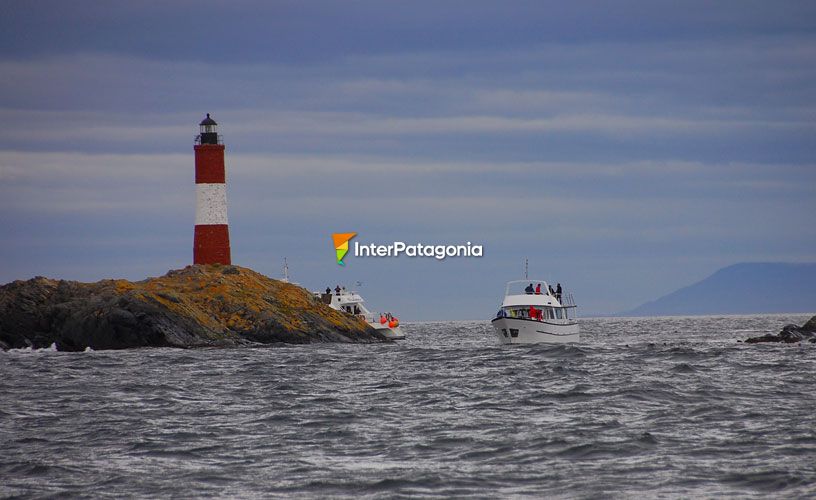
column 398, row 248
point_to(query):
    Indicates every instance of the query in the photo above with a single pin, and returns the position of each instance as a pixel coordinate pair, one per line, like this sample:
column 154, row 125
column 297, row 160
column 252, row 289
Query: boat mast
column 525, row 268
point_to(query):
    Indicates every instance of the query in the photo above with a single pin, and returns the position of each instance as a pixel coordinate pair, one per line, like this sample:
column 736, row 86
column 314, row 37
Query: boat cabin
column 533, row 299
column 347, row 301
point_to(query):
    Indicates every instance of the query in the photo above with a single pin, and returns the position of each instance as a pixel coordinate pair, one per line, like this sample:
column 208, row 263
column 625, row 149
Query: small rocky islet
column 790, row 334
column 198, row 306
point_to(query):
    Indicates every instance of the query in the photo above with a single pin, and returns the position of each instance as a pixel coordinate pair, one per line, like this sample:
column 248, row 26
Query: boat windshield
column 528, row 287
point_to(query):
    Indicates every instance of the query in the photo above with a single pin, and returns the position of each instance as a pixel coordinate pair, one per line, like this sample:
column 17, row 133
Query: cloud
column 655, row 97
column 147, row 183
column 298, row 32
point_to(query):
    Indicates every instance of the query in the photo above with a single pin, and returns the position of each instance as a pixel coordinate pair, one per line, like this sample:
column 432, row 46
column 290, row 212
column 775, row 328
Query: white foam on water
column 33, row 350
column 20, row 350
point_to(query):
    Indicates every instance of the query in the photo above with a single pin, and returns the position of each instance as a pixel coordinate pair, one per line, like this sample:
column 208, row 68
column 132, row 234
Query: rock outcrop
column 790, row 334
column 197, row 306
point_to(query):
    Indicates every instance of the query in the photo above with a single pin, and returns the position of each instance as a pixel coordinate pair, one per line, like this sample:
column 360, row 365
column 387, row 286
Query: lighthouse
column 211, row 240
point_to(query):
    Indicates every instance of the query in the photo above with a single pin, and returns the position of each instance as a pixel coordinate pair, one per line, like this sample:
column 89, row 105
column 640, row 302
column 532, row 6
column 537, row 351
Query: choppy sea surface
column 647, row 407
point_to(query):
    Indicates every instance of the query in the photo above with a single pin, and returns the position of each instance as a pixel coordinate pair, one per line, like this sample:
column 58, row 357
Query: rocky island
column 198, row 306
column 790, row 334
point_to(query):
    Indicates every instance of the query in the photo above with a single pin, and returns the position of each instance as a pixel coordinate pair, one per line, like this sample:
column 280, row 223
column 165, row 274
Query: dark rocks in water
column 198, row 306
column 790, row 334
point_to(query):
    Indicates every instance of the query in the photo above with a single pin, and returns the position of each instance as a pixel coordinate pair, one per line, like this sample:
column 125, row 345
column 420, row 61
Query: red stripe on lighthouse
column 211, row 238
column 211, row 244
column 210, row 164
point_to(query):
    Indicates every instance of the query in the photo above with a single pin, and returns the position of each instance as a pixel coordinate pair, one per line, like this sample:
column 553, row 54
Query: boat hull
column 525, row 331
column 394, row 333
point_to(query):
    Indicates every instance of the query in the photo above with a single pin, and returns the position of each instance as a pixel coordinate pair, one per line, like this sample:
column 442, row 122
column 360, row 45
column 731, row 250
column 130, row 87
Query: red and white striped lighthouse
column 211, row 241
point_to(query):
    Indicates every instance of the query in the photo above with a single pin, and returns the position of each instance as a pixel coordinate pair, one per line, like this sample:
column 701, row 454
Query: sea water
column 655, row 407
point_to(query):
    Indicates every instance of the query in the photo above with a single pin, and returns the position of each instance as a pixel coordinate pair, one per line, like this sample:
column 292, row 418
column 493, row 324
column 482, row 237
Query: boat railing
column 565, row 299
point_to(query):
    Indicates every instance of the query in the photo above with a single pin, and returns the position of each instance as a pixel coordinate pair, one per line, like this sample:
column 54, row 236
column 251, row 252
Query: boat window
column 513, row 332
column 559, row 313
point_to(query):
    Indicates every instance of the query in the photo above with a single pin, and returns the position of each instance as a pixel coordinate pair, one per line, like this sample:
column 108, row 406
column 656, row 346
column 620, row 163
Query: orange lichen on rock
column 233, row 299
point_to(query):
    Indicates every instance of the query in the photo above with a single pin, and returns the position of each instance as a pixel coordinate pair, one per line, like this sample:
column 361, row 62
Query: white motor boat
column 532, row 313
column 351, row 302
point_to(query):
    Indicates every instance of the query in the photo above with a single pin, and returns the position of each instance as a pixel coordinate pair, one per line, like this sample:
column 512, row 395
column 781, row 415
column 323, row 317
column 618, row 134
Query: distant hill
column 751, row 288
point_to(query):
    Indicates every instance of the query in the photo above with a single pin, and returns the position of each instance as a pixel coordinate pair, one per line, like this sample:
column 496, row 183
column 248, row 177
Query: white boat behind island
column 351, row 302
column 531, row 313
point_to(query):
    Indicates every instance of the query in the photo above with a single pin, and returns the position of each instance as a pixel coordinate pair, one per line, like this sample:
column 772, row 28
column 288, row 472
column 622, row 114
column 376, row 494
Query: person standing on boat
column 552, row 292
column 538, row 289
column 529, row 289
column 337, row 289
column 558, row 292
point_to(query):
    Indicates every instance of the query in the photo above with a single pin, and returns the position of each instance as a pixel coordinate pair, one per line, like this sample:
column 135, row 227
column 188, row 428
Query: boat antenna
column 525, row 268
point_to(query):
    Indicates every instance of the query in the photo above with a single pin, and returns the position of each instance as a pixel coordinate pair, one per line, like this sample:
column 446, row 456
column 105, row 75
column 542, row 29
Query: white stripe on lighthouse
column 211, row 204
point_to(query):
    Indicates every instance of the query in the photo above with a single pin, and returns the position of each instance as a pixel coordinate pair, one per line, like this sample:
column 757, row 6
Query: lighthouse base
column 211, row 244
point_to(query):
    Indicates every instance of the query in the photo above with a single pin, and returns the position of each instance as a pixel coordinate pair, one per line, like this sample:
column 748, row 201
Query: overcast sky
column 626, row 148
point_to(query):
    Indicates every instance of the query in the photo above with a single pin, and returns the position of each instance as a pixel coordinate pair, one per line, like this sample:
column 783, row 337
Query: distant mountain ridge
column 747, row 288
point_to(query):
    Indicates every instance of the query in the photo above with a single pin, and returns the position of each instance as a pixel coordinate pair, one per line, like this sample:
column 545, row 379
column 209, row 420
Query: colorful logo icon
column 341, row 245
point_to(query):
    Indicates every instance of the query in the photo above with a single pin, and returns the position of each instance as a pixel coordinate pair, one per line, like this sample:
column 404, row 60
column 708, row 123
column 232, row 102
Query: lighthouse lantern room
column 208, row 133
column 211, row 238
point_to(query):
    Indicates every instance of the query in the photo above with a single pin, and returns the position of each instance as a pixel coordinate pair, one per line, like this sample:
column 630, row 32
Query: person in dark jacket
column 529, row 289
column 558, row 292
